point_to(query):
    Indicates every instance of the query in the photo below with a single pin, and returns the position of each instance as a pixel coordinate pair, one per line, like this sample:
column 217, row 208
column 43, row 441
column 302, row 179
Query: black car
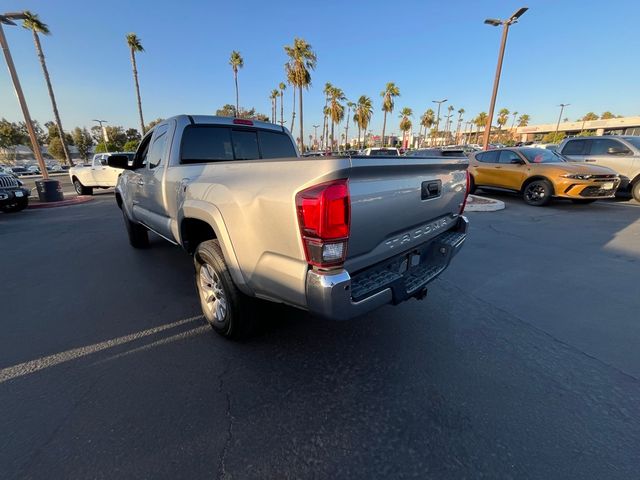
column 13, row 197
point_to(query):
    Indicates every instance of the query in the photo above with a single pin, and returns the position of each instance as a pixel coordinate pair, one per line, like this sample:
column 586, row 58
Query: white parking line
column 38, row 364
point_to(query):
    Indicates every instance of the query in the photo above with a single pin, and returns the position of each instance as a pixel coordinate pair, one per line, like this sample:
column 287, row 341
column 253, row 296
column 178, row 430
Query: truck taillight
column 324, row 215
column 466, row 193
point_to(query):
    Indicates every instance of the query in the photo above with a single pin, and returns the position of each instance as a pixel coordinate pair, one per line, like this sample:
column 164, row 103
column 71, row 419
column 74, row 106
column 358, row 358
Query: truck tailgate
column 398, row 203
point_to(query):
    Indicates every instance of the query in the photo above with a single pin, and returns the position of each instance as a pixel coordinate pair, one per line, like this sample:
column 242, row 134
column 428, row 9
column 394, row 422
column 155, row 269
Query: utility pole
column 562, row 105
column 105, row 137
column 505, row 32
column 315, row 135
column 7, row 19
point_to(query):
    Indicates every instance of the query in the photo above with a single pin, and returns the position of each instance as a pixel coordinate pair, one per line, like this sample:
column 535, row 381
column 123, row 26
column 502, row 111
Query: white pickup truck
column 97, row 175
column 336, row 236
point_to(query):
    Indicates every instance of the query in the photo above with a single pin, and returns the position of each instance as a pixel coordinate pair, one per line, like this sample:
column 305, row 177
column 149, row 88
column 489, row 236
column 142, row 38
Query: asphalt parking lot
column 523, row 361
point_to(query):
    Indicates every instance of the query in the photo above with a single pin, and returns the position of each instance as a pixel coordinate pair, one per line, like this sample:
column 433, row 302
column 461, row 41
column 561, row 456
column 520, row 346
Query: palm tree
column 274, row 104
column 350, row 106
column 427, row 120
column 480, row 121
column 302, row 59
column 523, row 120
column 325, row 124
column 405, row 123
column 293, row 103
column 503, row 116
column 236, row 62
column 513, row 124
column 364, row 110
column 447, row 125
column 135, row 45
column 33, row 23
column 460, row 114
column 282, row 86
column 336, row 109
column 388, row 94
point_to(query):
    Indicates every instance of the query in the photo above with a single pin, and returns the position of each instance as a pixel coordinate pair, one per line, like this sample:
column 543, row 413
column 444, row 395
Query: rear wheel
column 583, row 201
column 635, row 190
column 225, row 307
column 472, row 185
column 81, row 189
column 138, row 234
column 538, row 193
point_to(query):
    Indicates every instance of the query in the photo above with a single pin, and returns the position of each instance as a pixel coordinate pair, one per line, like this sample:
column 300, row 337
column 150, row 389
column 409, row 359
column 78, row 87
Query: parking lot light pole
column 105, row 137
column 7, row 19
column 505, row 31
column 439, row 102
column 562, row 105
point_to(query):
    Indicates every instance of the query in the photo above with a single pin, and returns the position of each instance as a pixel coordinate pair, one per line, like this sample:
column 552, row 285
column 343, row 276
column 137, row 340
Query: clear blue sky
column 569, row 51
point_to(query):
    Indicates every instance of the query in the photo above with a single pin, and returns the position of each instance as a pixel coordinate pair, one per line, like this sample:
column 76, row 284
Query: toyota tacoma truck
column 336, row 236
column 96, row 175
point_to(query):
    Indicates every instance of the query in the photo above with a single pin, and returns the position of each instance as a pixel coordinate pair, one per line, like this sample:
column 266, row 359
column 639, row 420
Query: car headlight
column 578, row 176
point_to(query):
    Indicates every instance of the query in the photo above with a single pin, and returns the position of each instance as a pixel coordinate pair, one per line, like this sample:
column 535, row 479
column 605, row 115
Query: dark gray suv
column 620, row 153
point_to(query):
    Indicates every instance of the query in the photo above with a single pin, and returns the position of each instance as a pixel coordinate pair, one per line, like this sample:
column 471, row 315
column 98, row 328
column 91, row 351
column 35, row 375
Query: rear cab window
column 212, row 143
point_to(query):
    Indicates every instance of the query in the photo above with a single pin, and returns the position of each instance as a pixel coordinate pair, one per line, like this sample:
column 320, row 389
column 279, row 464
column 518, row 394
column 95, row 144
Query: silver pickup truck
column 335, row 236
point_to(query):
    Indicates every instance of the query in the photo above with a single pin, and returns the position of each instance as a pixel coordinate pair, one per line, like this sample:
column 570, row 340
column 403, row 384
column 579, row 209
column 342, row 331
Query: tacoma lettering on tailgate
column 422, row 231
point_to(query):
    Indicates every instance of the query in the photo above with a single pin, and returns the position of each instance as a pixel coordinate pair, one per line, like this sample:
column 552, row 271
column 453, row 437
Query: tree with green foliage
column 54, row 132
column 587, row 133
column 523, row 120
column 427, row 120
column 405, row 123
column 11, row 136
column 153, row 123
column 282, row 87
column 336, row 110
column 388, row 94
column 501, row 120
column 54, row 148
column 274, row 104
column 237, row 62
column 480, row 121
column 33, row 23
column 135, row 46
column 131, row 146
column 607, row 115
column 589, row 117
column 41, row 136
column 553, row 137
column 364, row 111
column 83, row 141
column 133, row 135
column 302, row 59
column 229, row 110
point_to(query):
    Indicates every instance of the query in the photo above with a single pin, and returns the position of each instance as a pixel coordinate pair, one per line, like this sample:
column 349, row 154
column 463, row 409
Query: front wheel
column 81, row 189
column 635, row 191
column 538, row 193
column 225, row 308
column 18, row 206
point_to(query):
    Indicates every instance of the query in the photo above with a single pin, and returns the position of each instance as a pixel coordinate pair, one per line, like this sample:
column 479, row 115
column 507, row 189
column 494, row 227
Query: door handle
column 498, row 167
column 589, row 160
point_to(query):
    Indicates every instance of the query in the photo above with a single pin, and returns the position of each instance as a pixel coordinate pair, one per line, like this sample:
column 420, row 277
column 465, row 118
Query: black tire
column 472, row 185
column 17, row 206
column 81, row 189
column 138, row 234
column 538, row 193
column 583, row 201
column 635, row 190
column 227, row 310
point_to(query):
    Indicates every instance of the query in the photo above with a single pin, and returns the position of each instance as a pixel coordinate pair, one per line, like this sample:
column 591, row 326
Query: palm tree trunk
column 56, row 115
column 325, row 124
column 346, row 130
column 384, row 127
column 332, row 141
column 293, row 111
column 135, row 79
column 301, row 124
column 359, row 131
column 235, row 77
column 281, row 108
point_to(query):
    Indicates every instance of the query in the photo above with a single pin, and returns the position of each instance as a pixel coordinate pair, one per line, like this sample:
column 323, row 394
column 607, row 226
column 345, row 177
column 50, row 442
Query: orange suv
column 539, row 174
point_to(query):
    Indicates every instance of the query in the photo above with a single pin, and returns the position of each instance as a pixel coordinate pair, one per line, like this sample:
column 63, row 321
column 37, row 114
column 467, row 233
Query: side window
column 159, row 141
column 245, row 144
column 601, row 146
column 575, row 147
column 488, row 157
column 206, row 144
column 140, row 159
column 275, row 145
column 508, row 156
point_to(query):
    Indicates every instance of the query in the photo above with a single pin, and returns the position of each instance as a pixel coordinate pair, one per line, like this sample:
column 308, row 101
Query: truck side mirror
column 119, row 161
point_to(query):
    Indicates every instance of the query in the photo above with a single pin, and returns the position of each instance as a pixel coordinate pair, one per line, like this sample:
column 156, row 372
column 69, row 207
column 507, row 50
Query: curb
column 63, row 203
column 476, row 203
